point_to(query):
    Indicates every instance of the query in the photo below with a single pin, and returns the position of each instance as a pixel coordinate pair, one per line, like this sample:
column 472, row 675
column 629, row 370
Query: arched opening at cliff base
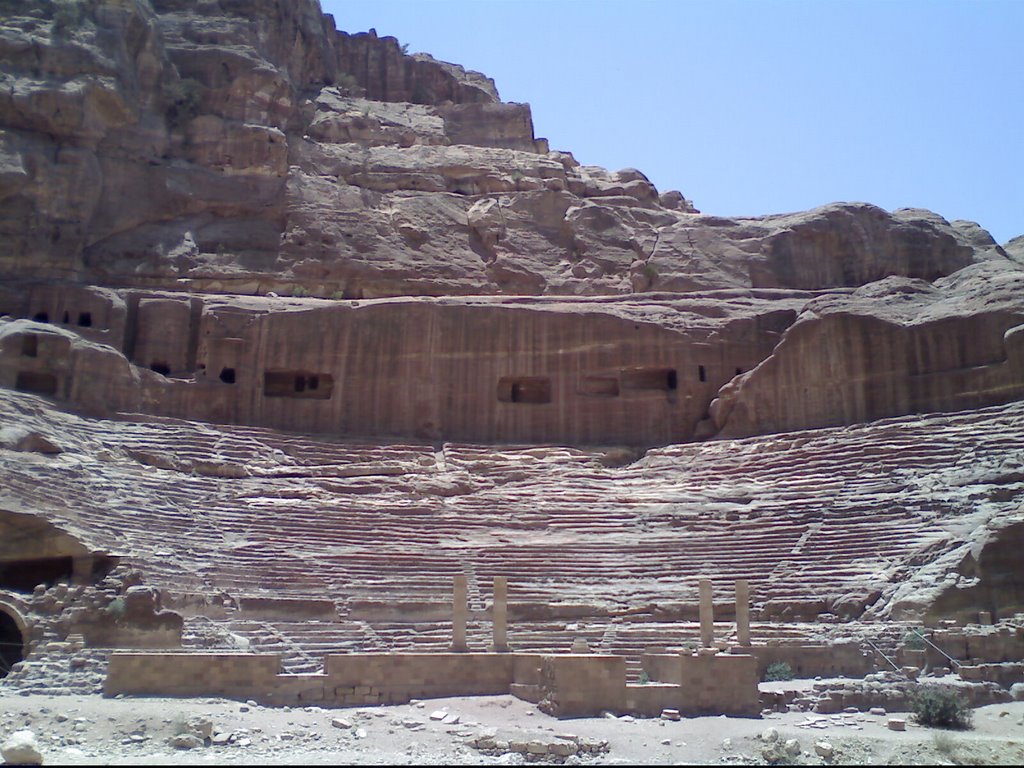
column 12, row 642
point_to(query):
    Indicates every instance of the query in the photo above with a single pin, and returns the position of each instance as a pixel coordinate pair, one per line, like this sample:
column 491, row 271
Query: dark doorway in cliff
column 702, row 374
column 24, row 575
column 227, row 375
column 525, row 389
column 85, row 319
column 12, row 643
column 42, row 317
column 159, row 366
column 36, row 383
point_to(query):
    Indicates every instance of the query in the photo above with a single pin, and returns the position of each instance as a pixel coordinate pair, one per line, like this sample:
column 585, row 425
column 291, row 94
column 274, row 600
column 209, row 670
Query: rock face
column 153, row 153
column 892, row 347
column 248, row 146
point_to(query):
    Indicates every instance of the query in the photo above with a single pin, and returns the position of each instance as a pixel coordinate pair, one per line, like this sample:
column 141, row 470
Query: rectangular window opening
column 29, row 345
column 524, row 389
column 85, row 319
column 649, row 378
column 297, row 384
column 702, row 374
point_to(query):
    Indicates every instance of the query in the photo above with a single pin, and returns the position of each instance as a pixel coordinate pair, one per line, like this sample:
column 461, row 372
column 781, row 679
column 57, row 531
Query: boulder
column 21, row 748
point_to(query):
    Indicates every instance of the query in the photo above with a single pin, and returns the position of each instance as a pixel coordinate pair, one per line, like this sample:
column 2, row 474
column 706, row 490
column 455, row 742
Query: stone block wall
column 705, row 684
column 577, row 685
column 570, row 685
column 239, row 675
column 348, row 679
column 386, row 678
column 990, row 644
column 847, row 659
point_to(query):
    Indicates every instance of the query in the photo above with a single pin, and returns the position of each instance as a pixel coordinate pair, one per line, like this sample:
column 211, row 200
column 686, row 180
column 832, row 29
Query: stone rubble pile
column 538, row 748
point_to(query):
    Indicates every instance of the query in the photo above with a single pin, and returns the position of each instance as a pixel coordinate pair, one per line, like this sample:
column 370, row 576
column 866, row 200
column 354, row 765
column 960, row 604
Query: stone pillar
column 707, row 615
column 743, row 611
column 500, row 614
column 460, row 613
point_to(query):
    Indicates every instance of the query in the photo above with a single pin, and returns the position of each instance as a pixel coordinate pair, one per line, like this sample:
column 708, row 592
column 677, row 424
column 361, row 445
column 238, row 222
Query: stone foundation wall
column 990, row 644
column 570, row 685
column 703, row 683
column 348, row 680
column 848, row 659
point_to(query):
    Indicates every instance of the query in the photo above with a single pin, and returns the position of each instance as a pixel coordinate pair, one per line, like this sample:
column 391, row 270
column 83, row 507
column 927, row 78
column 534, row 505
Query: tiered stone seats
column 806, row 516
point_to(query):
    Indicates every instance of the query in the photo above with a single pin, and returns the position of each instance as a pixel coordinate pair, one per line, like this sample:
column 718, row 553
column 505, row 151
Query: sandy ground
column 90, row 730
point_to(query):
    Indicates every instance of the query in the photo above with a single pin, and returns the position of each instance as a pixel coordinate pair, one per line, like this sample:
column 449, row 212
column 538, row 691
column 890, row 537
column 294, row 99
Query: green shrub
column 913, row 641
column 778, row 670
column 183, row 101
column 115, row 608
column 944, row 744
column 347, row 81
column 941, row 708
column 67, row 16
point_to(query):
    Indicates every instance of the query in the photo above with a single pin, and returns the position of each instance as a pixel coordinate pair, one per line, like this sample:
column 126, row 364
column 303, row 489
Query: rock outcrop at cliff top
column 248, row 147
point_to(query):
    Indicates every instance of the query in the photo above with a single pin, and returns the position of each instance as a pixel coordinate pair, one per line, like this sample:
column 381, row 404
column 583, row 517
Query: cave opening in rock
column 42, row 317
column 12, row 643
column 227, row 375
column 702, row 374
column 158, row 366
column 525, row 389
column 37, row 383
column 85, row 319
column 25, row 575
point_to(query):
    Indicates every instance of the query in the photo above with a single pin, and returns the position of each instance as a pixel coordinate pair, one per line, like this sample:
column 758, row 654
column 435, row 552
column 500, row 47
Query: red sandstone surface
column 298, row 326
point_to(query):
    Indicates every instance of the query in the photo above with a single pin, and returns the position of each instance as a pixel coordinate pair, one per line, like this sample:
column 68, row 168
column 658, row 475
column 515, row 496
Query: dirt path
column 89, row 730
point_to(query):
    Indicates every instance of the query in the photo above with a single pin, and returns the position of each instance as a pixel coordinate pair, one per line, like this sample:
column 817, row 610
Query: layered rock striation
column 231, row 212
column 161, row 152
column 156, row 152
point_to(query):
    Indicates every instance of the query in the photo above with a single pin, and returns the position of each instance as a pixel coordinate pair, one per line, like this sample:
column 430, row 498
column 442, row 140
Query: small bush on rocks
column 778, row 670
column 115, row 609
column 941, row 708
column 913, row 642
column 67, row 17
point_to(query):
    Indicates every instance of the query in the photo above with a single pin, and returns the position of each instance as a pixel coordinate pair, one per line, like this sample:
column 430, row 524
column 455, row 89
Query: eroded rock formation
column 232, row 212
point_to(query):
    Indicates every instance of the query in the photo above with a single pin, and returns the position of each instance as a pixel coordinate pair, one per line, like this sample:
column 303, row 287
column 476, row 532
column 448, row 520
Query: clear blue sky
column 760, row 106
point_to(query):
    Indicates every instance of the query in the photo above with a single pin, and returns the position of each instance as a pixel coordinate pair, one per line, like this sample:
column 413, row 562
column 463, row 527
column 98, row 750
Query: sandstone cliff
column 161, row 151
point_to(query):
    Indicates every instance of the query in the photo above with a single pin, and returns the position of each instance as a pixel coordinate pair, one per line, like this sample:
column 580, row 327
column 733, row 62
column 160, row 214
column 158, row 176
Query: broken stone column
column 743, row 611
column 460, row 613
column 707, row 615
column 500, row 614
